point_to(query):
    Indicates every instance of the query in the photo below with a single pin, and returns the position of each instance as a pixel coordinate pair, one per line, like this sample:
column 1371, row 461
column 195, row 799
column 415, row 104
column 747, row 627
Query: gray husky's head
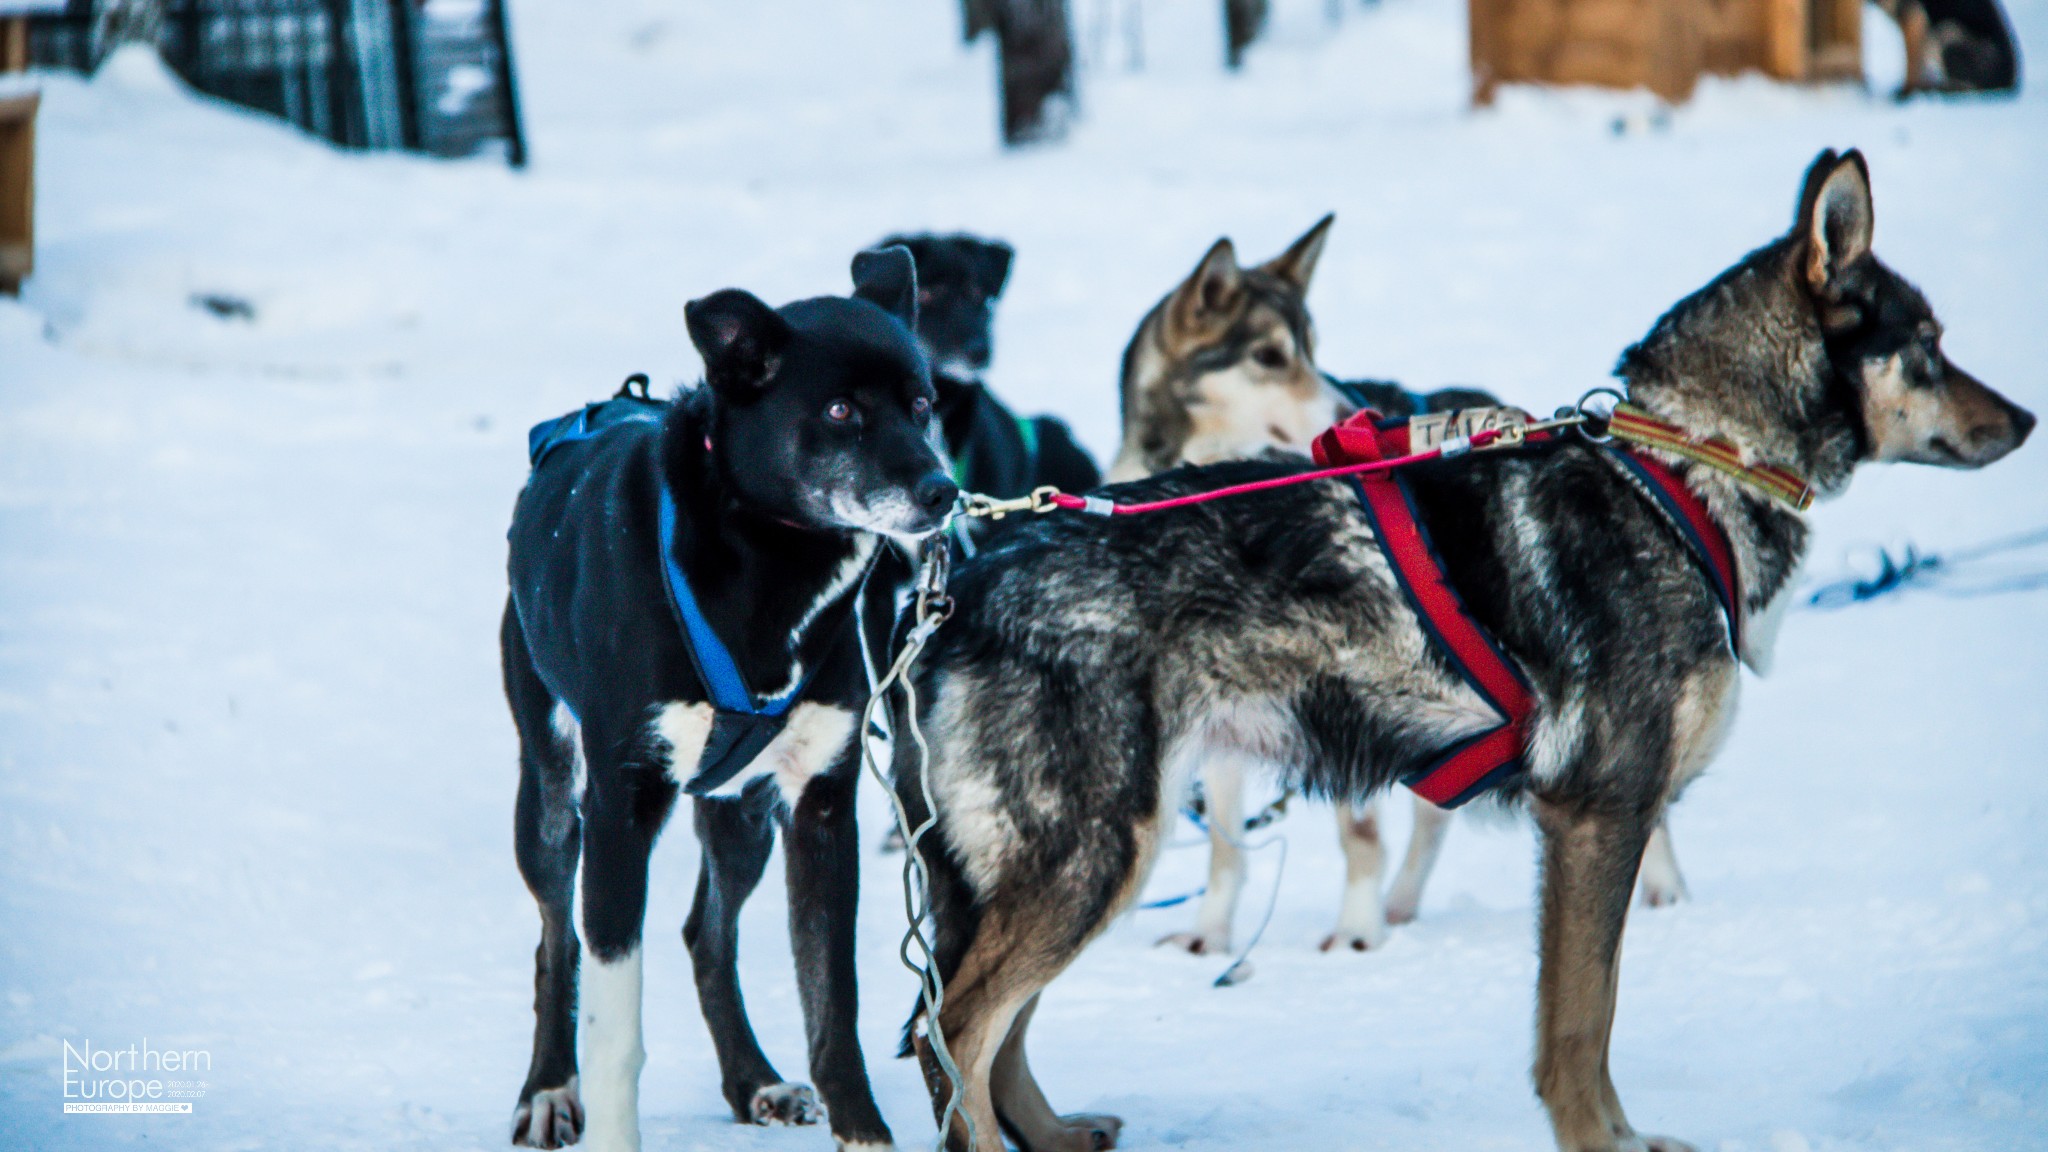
column 1812, row 354
column 1224, row 367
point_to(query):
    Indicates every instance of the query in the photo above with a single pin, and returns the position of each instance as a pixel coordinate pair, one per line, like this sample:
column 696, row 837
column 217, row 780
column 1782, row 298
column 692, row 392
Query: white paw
column 1663, row 891
column 552, row 1119
column 1354, row 940
column 1091, row 1132
column 786, row 1104
column 1198, row 943
column 1402, row 906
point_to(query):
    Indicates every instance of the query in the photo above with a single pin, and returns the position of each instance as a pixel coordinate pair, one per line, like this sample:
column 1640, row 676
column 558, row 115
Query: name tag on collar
column 1432, row 429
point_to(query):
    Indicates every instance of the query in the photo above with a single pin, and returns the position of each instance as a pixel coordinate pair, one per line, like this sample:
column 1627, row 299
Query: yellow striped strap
column 1636, row 426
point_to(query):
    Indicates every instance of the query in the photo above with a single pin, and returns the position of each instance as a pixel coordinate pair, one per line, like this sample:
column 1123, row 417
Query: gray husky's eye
column 839, row 412
column 1270, row 356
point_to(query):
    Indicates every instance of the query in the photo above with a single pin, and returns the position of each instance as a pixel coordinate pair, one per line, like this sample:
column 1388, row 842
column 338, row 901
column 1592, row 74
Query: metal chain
column 933, row 608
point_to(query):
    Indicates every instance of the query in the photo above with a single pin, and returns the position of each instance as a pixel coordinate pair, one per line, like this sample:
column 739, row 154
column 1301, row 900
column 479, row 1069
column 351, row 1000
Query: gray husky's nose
column 935, row 493
column 2022, row 423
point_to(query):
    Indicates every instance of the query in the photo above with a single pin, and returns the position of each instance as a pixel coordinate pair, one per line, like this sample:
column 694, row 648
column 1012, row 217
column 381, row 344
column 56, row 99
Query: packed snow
column 256, row 776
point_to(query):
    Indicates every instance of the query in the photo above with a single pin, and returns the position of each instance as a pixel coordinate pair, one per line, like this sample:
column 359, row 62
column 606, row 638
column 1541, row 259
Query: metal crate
column 425, row 75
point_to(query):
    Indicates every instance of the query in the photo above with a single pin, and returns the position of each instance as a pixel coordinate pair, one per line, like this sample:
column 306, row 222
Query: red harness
column 1480, row 762
column 1372, row 454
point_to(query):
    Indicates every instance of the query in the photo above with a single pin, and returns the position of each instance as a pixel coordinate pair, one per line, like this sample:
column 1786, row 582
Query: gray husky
column 1092, row 660
column 1222, row 368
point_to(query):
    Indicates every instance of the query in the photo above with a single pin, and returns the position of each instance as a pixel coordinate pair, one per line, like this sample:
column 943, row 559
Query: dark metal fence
column 426, row 75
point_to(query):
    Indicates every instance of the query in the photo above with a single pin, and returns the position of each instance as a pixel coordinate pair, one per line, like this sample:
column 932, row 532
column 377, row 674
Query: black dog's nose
column 935, row 492
column 2022, row 423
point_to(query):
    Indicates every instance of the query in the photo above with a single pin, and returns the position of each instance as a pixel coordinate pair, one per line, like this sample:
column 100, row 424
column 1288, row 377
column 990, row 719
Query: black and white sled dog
column 684, row 579
column 1224, row 367
column 1091, row 661
column 994, row 451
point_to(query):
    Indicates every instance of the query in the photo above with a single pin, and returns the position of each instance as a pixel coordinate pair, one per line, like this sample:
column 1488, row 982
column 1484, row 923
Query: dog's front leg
column 1590, row 859
column 822, row 854
column 1404, row 899
column 622, row 810
column 1361, row 919
column 1662, row 883
column 1223, row 792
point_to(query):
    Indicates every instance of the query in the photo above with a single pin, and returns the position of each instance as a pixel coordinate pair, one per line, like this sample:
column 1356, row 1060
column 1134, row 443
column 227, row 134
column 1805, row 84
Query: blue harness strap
column 721, row 674
column 587, row 422
column 742, row 724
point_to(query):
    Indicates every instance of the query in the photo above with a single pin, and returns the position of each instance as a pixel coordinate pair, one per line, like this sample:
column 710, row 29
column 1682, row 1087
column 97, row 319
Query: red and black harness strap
column 1482, row 761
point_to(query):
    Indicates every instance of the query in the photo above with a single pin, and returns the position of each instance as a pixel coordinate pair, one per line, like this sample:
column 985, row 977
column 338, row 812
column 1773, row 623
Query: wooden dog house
column 17, row 190
column 1662, row 45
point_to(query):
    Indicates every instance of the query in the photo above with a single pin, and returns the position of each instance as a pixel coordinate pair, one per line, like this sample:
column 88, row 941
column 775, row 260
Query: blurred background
column 297, row 278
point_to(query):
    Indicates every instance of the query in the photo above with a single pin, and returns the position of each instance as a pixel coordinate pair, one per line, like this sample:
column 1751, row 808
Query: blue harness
column 742, row 723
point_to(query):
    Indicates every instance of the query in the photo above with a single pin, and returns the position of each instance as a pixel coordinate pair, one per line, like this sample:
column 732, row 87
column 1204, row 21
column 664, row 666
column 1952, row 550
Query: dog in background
column 682, row 619
column 994, row 451
column 1093, row 661
column 1224, row 368
column 1956, row 46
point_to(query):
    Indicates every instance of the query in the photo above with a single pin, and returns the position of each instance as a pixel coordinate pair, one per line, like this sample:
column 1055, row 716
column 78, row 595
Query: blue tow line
column 1959, row 573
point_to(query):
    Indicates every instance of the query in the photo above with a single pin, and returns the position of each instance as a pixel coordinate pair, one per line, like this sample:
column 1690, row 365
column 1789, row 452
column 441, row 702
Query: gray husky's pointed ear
column 1210, row 292
column 741, row 340
column 1835, row 216
column 1297, row 265
column 887, row 278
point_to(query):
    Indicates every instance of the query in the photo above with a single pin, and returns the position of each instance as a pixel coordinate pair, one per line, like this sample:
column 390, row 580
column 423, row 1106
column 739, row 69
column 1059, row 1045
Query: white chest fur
column 806, row 746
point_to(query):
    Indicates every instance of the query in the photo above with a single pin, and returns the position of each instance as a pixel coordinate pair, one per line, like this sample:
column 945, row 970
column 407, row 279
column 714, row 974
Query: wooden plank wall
column 17, row 190
column 1661, row 45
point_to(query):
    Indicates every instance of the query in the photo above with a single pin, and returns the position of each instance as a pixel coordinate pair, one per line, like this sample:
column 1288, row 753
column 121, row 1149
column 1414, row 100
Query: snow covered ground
column 256, row 777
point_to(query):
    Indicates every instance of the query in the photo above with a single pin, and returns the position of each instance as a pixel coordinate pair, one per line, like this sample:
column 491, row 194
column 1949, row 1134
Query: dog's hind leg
column 1361, row 920
column 1589, row 865
column 982, row 999
column 1405, row 897
column 822, row 851
column 1022, row 1107
column 1661, row 881
column 737, row 836
column 547, row 837
column 1223, row 773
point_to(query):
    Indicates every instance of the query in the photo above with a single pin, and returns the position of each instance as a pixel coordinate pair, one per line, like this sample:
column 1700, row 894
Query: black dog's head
column 822, row 408
column 958, row 280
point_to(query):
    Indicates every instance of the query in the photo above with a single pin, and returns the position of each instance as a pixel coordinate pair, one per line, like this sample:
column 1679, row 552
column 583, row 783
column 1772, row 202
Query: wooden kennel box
column 17, row 189
column 1662, row 45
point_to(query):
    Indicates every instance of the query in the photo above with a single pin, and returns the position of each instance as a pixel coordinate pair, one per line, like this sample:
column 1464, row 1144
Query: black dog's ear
column 741, row 340
column 1835, row 216
column 887, row 278
column 992, row 265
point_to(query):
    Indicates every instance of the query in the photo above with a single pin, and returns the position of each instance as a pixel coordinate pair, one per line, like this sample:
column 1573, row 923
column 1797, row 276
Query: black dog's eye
column 839, row 412
column 1270, row 356
column 920, row 406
